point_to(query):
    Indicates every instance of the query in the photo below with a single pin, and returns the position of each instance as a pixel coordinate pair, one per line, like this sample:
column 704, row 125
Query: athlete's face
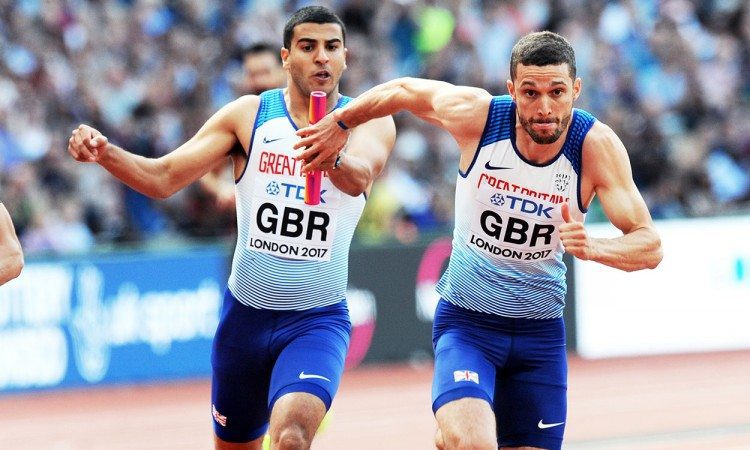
column 317, row 57
column 263, row 71
column 544, row 98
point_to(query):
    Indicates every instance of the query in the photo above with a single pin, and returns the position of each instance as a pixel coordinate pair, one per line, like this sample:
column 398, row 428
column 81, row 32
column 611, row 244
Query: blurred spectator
column 668, row 76
column 261, row 71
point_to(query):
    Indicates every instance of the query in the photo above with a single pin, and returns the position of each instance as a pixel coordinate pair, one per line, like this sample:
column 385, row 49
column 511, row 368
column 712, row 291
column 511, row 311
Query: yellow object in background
column 436, row 27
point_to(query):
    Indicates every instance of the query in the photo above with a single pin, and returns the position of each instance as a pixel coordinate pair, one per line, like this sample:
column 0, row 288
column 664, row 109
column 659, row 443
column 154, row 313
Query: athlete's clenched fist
column 573, row 236
column 86, row 144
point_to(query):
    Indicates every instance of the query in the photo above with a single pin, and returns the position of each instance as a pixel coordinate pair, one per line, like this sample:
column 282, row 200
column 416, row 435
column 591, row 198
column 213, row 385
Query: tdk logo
column 522, row 204
column 290, row 190
column 272, row 188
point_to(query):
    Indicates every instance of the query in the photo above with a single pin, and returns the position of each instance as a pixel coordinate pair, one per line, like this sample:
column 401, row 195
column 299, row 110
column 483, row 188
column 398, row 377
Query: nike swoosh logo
column 268, row 141
column 543, row 425
column 490, row 167
column 304, row 376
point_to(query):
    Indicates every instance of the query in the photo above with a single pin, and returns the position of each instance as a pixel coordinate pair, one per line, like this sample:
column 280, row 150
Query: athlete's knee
column 291, row 437
column 464, row 441
column 439, row 443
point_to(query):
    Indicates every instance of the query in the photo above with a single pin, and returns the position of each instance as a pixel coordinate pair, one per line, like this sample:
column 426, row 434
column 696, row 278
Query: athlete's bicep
column 460, row 110
column 613, row 181
column 463, row 111
column 210, row 145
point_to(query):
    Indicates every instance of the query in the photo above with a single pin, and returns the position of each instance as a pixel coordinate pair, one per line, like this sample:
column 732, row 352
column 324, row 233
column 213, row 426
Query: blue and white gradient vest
column 289, row 255
column 507, row 255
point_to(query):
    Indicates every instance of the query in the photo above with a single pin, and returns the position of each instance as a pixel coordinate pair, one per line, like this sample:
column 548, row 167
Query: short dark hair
column 543, row 48
column 311, row 14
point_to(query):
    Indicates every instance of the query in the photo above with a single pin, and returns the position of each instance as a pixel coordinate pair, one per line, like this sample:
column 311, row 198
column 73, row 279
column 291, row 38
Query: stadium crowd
column 666, row 75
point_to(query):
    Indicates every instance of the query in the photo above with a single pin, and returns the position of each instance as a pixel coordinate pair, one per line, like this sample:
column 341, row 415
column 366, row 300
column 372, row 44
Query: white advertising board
column 698, row 299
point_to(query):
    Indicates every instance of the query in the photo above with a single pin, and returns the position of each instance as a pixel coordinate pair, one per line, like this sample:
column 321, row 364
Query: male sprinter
column 530, row 166
column 279, row 349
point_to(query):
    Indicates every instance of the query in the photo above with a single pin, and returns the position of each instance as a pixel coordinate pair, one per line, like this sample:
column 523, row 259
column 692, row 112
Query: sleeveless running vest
column 289, row 255
column 507, row 256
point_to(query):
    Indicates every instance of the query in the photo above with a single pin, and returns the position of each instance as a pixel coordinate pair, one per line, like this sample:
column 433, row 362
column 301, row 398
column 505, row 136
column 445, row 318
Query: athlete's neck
column 534, row 152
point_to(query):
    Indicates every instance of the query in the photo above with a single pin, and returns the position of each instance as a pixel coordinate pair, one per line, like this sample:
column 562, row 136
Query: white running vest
column 507, row 256
column 289, row 255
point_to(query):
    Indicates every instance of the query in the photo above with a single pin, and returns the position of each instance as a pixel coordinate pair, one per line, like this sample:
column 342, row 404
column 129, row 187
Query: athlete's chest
column 510, row 207
column 500, row 168
column 271, row 151
column 272, row 194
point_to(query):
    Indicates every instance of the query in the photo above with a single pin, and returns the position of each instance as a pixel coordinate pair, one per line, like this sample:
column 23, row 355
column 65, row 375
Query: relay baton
column 315, row 178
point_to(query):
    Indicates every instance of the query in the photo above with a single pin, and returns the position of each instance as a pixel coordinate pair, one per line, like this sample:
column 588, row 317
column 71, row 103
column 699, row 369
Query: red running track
column 657, row 403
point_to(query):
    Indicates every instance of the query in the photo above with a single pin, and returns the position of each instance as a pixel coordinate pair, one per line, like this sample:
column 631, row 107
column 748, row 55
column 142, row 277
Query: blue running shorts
column 259, row 355
column 519, row 366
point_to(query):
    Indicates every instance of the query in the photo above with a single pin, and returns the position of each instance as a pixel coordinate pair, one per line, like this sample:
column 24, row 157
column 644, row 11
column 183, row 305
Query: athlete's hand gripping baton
column 315, row 178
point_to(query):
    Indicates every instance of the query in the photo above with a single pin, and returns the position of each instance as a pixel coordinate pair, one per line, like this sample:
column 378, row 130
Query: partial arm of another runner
column 11, row 254
column 364, row 157
column 162, row 177
column 460, row 110
column 217, row 184
column 607, row 173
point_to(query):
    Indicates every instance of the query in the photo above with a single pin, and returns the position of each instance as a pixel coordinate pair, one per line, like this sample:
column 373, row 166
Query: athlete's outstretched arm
column 460, row 110
column 162, row 177
column 606, row 168
column 364, row 157
column 11, row 255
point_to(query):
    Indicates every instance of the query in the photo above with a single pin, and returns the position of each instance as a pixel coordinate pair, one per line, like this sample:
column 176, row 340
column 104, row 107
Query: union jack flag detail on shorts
column 465, row 375
column 221, row 420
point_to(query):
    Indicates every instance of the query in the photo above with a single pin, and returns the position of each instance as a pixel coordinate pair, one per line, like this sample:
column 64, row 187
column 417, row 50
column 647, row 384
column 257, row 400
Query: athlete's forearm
column 401, row 94
column 640, row 249
column 353, row 176
column 148, row 176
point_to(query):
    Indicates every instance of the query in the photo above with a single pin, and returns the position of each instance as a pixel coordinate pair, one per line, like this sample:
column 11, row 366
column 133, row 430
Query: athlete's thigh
column 461, row 371
column 462, row 392
column 311, row 353
column 531, row 395
column 466, row 359
column 241, row 373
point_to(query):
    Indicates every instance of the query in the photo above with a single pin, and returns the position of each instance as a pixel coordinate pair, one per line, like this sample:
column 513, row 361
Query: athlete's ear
column 511, row 89
column 284, row 56
column 577, row 88
column 346, row 51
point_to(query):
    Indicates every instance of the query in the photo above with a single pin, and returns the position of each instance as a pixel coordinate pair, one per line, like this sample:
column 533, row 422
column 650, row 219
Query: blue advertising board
column 108, row 319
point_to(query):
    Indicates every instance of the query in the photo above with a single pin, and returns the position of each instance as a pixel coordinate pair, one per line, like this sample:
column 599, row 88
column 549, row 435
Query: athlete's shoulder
column 501, row 104
column 583, row 114
column 245, row 103
column 504, row 99
column 600, row 134
column 602, row 144
column 237, row 111
column 343, row 100
column 499, row 121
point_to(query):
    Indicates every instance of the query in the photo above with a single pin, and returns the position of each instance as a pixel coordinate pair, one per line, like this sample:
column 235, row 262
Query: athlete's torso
column 507, row 256
column 289, row 255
